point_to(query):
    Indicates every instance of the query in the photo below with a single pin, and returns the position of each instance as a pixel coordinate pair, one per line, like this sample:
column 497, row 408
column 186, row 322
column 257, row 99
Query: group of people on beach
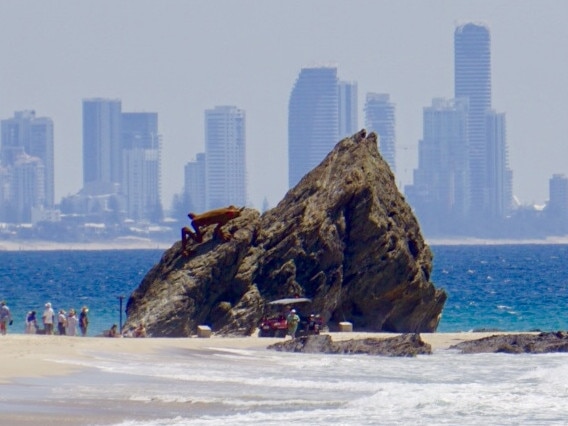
column 68, row 323
column 63, row 323
column 138, row 331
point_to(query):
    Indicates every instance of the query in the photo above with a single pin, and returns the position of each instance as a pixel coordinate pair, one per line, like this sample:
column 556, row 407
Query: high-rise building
column 225, row 157
column 194, row 187
column 558, row 197
column 472, row 81
column 499, row 176
column 348, row 113
column 313, row 120
column 27, row 134
column 490, row 178
column 380, row 118
column 141, row 165
column 27, row 188
column 102, row 146
column 440, row 192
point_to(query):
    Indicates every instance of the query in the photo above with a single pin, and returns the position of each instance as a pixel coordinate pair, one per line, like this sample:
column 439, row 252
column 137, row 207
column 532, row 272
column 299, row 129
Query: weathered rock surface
column 344, row 237
column 516, row 343
column 405, row 345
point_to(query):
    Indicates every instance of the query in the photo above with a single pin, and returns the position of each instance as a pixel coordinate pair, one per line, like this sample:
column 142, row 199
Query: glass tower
column 225, row 157
column 102, row 148
column 472, row 66
column 313, row 120
column 141, row 165
column 380, row 118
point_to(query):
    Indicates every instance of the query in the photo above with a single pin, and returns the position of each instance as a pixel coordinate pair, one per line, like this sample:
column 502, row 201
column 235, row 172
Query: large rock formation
column 344, row 237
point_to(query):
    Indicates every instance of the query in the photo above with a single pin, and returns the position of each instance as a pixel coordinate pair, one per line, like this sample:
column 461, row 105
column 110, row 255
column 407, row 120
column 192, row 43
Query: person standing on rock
column 293, row 320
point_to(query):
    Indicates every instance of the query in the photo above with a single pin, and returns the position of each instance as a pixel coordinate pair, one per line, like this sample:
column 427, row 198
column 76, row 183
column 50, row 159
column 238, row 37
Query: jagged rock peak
column 343, row 236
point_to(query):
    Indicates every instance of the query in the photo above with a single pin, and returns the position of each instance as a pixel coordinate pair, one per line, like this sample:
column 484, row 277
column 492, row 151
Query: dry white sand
column 23, row 355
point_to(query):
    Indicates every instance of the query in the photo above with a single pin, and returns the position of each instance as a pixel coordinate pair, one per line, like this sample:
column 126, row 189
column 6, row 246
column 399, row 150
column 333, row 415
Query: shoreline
column 136, row 243
column 37, row 356
column 118, row 244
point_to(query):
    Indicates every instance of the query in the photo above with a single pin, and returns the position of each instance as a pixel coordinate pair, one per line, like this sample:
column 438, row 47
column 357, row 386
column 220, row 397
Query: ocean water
column 492, row 287
column 489, row 287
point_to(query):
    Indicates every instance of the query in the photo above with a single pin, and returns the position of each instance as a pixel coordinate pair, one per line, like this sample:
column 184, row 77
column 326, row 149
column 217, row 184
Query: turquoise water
column 507, row 287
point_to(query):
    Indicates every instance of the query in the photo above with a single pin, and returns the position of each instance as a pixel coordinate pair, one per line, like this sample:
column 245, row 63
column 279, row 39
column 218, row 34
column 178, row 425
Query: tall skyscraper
column 472, row 74
column 490, row 178
column 499, row 176
column 380, row 118
column 313, row 120
column 225, row 157
column 348, row 113
column 141, row 151
column 102, row 147
column 440, row 192
column 463, row 184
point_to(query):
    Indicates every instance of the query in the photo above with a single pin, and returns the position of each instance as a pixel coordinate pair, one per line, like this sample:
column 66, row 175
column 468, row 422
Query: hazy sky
column 178, row 58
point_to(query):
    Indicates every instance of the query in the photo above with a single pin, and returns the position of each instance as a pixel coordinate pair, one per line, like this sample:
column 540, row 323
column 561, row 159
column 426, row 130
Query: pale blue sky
column 178, row 58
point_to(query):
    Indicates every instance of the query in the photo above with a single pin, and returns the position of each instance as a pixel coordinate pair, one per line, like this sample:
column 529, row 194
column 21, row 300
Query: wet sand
column 24, row 355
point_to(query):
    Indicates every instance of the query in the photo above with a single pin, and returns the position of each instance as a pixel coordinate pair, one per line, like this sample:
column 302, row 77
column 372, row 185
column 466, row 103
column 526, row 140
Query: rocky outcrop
column 516, row 343
column 406, row 345
column 344, row 237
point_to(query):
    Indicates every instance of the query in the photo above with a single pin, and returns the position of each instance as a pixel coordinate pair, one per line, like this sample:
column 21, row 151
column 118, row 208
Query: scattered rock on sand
column 516, row 343
column 405, row 345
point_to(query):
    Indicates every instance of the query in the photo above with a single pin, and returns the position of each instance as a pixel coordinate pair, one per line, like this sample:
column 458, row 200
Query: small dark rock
column 406, row 345
column 516, row 344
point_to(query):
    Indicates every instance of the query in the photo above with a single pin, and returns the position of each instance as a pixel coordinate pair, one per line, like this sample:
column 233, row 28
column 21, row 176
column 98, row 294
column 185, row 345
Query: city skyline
column 169, row 59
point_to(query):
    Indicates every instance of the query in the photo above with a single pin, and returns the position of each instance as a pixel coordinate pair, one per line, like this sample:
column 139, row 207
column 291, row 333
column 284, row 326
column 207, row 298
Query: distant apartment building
column 464, row 188
column 194, row 183
column 321, row 111
column 499, row 175
column 348, row 112
column 102, row 147
column 121, row 164
column 440, row 190
column 225, row 157
column 27, row 158
column 490, row 177
column 27, row 188
column 141, row 151
column 472, row 81
column 380, row 118
column 558, row 197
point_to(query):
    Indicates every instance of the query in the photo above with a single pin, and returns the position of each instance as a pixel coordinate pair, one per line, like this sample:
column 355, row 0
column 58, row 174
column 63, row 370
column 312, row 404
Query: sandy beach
column 99, row 381
column 40, row 356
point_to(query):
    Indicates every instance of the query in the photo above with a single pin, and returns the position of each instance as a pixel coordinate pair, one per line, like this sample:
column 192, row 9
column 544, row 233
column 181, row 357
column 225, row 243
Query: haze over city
column 181, row 58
